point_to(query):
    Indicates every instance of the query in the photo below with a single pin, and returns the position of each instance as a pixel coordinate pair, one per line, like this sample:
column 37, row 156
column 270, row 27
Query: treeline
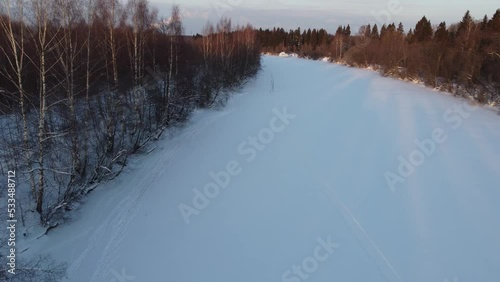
column 463, row 58
column 86, row 83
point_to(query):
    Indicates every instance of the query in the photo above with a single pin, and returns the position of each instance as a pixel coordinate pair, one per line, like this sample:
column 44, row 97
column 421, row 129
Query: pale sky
column 328, row 14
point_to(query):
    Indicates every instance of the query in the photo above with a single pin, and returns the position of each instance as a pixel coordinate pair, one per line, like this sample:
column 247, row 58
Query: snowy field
column 313, row 172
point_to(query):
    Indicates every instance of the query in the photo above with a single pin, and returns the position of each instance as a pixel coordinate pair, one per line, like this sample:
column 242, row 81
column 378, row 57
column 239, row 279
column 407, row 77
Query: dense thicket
column 463, row 58
column 86, row 83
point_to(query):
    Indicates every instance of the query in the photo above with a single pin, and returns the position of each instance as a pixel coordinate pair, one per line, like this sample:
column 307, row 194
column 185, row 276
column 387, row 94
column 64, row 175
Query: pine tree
column 295, row 35
column 410, row 37
column 339, row 31
column 347, row 31
column 423, row 30
column 374, row 32
column 494, row 23
column 484, row 23
column 383, row 30
column 401, row 28
column 391, row 28
column 322, row 36
column 314, row 38
column 441, row 34
column 465, row 24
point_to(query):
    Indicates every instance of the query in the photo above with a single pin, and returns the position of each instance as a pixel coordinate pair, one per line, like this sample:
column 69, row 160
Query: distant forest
column 463, row 58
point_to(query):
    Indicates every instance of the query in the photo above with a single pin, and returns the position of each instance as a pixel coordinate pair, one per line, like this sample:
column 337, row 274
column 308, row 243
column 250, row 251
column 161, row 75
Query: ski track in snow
column 371, row 248
column 128, row 211
column 350, row 127
column 124, row 212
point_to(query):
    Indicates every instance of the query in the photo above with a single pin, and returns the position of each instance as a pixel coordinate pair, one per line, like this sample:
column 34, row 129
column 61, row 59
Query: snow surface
column 321, row 177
